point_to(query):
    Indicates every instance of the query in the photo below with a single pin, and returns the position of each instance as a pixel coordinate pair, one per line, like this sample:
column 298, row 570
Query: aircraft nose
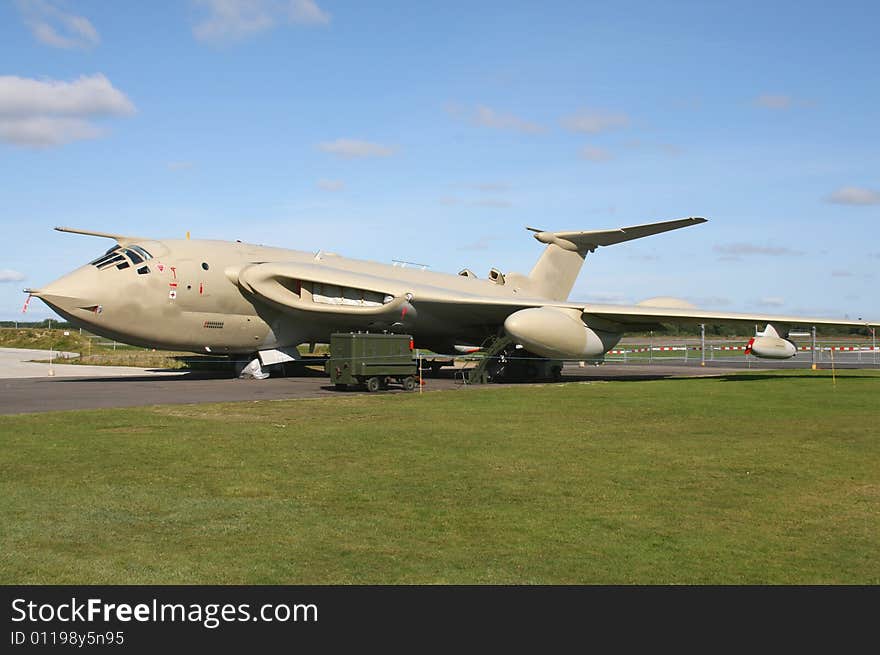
column 72, row 294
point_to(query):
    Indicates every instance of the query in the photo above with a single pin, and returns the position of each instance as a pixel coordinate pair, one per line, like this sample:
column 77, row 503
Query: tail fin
column 557, row 270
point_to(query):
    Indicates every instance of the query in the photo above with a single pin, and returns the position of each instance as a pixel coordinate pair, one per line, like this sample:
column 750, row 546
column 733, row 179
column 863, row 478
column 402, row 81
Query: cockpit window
column 105, row 257
column 143, row 253
column 121, row 257
column 133, row 256
column 109, row 260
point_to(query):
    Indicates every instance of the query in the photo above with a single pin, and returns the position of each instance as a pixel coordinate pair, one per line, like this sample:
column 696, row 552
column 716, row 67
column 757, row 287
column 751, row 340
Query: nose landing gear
column 253, row 370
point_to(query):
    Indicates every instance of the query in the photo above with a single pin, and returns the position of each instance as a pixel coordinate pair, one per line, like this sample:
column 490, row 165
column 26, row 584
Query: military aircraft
column 259, row 302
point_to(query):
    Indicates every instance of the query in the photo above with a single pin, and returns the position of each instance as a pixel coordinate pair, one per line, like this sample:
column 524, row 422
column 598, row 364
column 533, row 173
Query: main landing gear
column 503, row 362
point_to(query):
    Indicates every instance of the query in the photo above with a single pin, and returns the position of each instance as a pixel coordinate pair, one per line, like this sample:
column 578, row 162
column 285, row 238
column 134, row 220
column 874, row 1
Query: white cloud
column 480, row 244
column 489, row 187
column 771, row 101
column 43, row 131
column 616, row 297
column 86, row 96
column 307, row 12
column 593, row 153
column 771, row 301
column 51, row 112
column 852, row 195
column 488, row 117
column 57, row 28
column 233, row 20
column 780, row 101
column 594, row 121
column 352, row 148
column 839, row 272
column 8, row 275
column 737, row 249
column 331, row 185
column 710, row 301
column 498, row 203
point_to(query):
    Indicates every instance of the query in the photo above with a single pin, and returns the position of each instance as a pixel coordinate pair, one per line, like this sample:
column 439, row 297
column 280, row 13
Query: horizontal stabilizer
column 590, row 240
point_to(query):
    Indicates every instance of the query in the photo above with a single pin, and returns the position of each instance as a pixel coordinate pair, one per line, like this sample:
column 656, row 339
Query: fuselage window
column 205, row 266
column 330, row 294
column 123, row 265
column 143, row 270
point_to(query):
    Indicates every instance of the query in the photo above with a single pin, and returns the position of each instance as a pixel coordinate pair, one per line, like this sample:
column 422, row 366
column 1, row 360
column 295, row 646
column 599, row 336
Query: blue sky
column 434, row 132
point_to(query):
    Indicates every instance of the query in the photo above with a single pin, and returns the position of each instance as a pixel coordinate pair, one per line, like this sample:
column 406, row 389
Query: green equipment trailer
column 371, row 360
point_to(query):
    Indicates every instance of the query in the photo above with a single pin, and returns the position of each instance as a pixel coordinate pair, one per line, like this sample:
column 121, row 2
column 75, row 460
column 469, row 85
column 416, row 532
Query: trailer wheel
column 409, row 383
column 373, row 384
column 340, row 386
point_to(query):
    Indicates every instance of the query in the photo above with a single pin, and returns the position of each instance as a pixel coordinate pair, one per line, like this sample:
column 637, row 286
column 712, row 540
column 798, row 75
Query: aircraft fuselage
column 188, row 296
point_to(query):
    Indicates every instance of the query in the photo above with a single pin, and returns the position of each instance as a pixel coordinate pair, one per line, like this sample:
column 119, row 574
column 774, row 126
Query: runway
column 109, row 387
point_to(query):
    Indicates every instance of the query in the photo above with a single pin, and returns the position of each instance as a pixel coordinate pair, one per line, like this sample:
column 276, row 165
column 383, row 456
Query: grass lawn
column 749, row 478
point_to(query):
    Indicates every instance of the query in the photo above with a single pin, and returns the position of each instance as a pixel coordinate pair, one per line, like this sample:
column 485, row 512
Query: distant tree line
column 715, row 330
column 49, row 322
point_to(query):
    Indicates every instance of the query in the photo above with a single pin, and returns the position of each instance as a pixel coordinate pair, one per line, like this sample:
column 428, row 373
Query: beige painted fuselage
column 193, row 299
column 235, row 298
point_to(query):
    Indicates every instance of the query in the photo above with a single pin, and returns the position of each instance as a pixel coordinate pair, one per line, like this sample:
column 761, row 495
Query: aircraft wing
column 279, row 283
column 626, row 318
column 635, row 316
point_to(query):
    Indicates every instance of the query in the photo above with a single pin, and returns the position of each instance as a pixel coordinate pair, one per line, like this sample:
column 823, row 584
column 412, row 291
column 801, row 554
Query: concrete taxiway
column 99, row 387
column 26, row 363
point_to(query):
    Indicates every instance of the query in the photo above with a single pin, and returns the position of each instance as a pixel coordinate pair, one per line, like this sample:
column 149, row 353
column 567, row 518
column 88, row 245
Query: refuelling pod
column 769, row 345
column 558, row 334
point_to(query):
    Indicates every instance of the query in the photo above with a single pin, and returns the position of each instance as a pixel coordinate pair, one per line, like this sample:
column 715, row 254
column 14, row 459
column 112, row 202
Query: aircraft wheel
column 373, row 384
column 409, row 383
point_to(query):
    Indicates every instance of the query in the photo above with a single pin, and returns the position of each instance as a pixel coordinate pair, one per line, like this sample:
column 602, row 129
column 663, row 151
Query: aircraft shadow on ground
column 158, row 377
